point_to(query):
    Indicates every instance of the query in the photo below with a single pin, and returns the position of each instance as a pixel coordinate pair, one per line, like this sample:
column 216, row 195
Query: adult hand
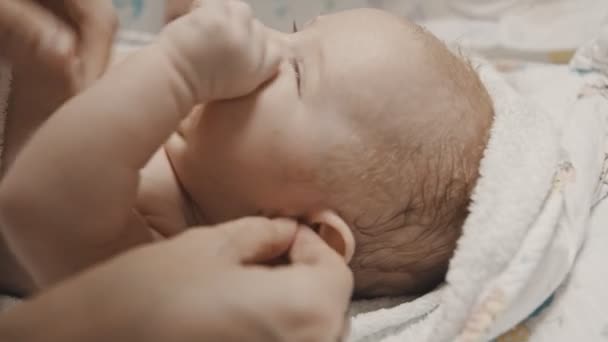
column 72, row 36
column 204, row 285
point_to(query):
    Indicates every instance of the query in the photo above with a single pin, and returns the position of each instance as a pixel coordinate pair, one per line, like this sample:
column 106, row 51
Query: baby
column 361, row 125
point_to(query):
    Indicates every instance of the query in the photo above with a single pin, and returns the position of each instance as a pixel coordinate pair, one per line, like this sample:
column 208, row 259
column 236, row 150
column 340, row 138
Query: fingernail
column 63, row 44
column 58, row 44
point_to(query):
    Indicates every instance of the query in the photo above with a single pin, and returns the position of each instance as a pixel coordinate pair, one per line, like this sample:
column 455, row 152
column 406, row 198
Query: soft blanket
column 542, row 175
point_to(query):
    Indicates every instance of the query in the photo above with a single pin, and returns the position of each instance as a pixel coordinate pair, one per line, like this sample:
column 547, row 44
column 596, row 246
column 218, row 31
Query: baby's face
column 262, row 153
column 369, row 118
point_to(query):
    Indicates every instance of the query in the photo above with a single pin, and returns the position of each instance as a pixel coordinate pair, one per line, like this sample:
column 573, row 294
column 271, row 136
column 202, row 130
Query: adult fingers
column 307, row 299
column 315, row 289
column 96, row 21
column 255, row 239
column 308, row 248
column 323, row 264
column 29, row 33
column 177, row 8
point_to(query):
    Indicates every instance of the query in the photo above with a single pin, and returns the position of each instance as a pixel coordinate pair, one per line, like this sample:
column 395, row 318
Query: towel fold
column 540, row 178
column 593, row 56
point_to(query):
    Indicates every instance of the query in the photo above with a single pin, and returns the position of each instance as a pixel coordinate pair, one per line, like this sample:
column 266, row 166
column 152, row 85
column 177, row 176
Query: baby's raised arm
column 68, row 200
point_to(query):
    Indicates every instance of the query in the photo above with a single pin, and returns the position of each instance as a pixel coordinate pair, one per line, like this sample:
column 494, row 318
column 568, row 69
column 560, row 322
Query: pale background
column 529, row 29
column 281, row 13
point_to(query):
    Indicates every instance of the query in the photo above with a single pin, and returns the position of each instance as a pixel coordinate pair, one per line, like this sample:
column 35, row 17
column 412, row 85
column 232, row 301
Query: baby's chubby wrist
column 194, row 55
column 182, row 88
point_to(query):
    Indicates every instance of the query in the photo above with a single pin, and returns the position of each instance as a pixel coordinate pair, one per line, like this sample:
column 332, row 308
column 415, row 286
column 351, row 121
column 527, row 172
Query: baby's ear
column 335, row 232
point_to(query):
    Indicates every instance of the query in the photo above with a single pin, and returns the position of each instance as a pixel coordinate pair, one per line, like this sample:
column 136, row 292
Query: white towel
column 486, row 9
column 540, row 177
column 593, row 56
column 5, row 88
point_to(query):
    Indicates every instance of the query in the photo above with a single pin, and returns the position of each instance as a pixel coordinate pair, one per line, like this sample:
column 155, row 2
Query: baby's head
column 371, row 122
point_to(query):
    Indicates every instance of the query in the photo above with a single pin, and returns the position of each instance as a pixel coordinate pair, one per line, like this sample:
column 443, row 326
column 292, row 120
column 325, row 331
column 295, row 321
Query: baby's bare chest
column 160, row 199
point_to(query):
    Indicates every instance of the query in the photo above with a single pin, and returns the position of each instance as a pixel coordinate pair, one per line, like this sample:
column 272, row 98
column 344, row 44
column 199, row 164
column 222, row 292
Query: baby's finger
column 272, row 51
column 177, row 8
column 27, row 31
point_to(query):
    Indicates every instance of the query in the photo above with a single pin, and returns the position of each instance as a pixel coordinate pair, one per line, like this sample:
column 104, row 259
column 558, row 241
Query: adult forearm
column 52, row 317
column 85, row 308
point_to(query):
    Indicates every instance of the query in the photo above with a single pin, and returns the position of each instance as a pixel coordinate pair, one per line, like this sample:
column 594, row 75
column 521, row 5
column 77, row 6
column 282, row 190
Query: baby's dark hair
column 410, row 175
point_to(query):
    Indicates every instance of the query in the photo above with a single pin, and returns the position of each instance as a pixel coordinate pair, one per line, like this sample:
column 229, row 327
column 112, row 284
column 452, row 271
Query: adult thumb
column 257, row 240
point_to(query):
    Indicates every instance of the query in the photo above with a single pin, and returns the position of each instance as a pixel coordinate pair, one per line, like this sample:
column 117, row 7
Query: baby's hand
column 221, row 51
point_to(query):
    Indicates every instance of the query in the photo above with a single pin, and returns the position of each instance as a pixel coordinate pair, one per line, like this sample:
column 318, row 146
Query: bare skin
column 114, row 146
column 186, row 276
column 57, row 48
column 254, row 148
column 177, row 8
column 204, row 285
